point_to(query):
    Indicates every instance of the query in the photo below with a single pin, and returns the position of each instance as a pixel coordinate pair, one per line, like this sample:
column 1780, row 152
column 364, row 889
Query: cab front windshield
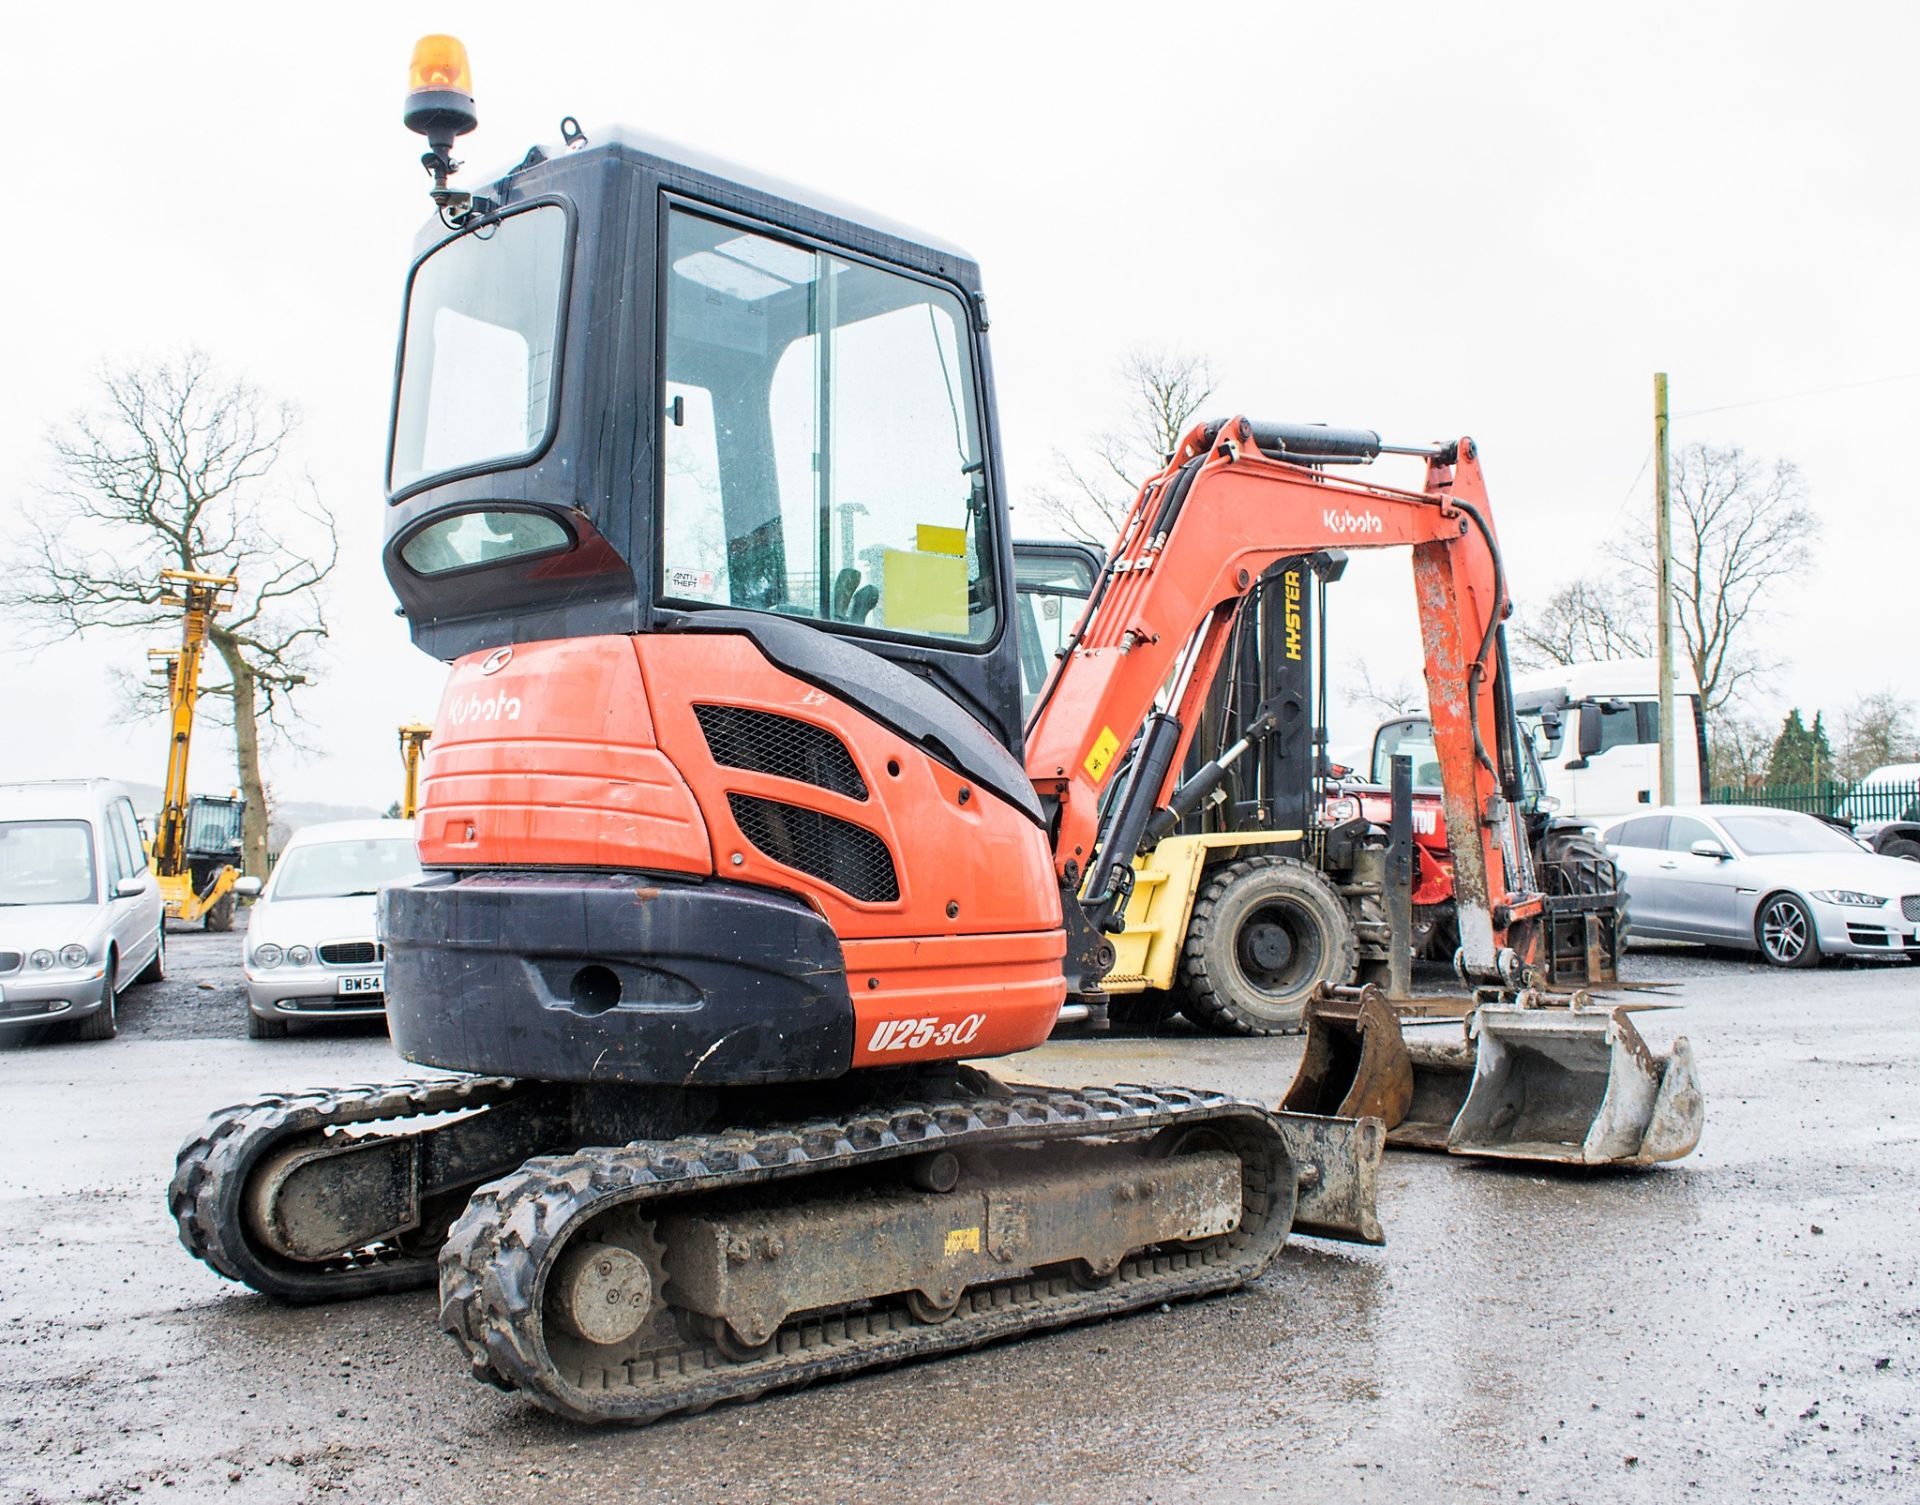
column 821, row 448
column 1413, row 738
column 343, row 869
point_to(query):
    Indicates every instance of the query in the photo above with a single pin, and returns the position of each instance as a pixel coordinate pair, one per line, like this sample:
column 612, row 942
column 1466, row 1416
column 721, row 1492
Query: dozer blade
column 1577, row 1086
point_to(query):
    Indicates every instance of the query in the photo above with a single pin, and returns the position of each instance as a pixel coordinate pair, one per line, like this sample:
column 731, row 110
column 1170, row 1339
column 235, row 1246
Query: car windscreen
column 1781, row 833
column 340, row 869
column 46, row 862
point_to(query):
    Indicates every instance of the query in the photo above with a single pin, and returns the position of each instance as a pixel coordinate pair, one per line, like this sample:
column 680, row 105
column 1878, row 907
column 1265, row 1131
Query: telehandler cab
column 738, row 846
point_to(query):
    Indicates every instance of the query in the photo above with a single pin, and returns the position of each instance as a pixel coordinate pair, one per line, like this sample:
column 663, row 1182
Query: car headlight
column 267, row 955
column 1848, row 896
column 42, row 960
column 73, row 954
column 298, row 956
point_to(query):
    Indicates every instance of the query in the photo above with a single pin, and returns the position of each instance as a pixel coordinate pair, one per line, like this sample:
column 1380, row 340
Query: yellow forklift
column 413, row 747
column 196, row 850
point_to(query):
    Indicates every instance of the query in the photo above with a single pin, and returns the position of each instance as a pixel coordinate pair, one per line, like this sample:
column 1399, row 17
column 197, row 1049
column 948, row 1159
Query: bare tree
column 1738, row 749
column 1877, row 729
column 1394, row 697
column 1584, row 619
column 1740, row 526
column 174, row 468
column 1163, row 392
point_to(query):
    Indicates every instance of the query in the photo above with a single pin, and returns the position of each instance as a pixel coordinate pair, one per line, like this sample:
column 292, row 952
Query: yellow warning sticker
column 931, row 538
column 963, row 1241
column 1104, row 747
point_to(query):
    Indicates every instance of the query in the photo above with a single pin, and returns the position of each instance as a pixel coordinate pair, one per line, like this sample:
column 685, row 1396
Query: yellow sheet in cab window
column 925, row 592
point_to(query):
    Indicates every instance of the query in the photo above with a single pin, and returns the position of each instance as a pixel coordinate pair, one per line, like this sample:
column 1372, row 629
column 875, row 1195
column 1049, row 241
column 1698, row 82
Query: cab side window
column 1628, row 725
column 130, row 826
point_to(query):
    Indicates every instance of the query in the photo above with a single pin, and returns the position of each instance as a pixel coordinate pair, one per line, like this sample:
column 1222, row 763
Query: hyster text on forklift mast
column 699, row 473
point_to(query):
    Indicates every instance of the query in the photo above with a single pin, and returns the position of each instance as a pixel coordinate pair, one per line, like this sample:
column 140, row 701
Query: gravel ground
column 1745, row 1324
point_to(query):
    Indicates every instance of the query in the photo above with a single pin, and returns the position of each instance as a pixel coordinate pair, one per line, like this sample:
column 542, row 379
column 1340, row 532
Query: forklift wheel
column 1266, row 932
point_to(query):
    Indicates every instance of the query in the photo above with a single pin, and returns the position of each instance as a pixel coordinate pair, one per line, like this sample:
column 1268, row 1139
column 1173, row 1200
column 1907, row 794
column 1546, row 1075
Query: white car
column 81, row 916
column 1786, row 885
column 310, row 951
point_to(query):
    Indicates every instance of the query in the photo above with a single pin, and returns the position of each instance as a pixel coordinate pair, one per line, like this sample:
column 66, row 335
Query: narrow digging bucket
column 1354, row 1064
column 1576, row 1086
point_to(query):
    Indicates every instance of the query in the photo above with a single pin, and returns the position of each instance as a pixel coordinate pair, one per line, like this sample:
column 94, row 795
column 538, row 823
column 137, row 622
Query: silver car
column 1786, row 885
column 310, row 951
column 81, row 917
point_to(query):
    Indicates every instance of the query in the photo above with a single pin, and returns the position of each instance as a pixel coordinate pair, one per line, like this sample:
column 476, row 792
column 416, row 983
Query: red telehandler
column 737, row 848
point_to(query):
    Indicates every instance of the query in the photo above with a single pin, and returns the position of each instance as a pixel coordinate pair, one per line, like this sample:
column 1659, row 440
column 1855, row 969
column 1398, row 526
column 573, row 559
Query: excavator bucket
column 1566, row 1084
column 1575, row 1085
column 1355, row 1063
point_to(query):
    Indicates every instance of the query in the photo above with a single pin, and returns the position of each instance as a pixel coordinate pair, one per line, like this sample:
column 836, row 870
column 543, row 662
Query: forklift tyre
column 220, row 917
column 1266, row 933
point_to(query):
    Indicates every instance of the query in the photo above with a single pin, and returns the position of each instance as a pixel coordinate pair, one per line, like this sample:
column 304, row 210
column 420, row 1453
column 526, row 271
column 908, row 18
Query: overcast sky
column 1430, row 220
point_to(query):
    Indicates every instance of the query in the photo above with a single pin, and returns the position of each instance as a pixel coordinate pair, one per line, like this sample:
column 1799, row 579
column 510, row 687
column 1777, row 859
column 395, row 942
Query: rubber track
column 210, row 1176
column 494, row 1262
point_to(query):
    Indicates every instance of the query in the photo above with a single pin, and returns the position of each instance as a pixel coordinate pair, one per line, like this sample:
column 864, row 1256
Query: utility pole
column 1663, row 583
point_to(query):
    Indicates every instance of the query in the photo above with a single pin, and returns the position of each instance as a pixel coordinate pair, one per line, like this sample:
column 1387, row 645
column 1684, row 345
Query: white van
column 81, row 917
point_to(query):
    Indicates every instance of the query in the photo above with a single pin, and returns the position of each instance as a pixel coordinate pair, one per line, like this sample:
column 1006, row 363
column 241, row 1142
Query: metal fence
column 1870, row 804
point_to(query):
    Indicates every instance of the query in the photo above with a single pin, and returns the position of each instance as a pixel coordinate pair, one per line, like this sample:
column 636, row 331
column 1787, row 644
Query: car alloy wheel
column 1786, row 932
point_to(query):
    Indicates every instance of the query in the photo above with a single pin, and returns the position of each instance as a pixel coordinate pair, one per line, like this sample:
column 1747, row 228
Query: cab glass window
column 481, row 349
column 820, row 448
column 469, row 539
column 1051, row 589
column 1408, row 739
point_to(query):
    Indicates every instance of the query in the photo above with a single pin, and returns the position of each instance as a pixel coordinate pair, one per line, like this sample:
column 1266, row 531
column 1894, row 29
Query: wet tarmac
column 1742, row 1325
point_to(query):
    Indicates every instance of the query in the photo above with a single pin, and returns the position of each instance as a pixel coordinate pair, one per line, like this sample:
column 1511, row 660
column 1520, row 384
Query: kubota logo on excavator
column 499, row 707
column 1292, row 582
column 1344, row 521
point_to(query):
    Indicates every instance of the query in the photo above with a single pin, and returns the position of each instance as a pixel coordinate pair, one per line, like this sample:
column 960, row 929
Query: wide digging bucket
column 1577, row 1086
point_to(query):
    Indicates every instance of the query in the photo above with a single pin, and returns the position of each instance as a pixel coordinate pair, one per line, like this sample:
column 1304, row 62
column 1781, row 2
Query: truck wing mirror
column 1589, row 729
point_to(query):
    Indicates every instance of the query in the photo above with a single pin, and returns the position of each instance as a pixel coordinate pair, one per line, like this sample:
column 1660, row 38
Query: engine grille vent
column 835, row 851
column 762, row 742
column 1910, row 906
column 350, row 953
column 10, row 960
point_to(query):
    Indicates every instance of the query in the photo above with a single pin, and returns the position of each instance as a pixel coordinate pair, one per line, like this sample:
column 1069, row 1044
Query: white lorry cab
column 1596, row 726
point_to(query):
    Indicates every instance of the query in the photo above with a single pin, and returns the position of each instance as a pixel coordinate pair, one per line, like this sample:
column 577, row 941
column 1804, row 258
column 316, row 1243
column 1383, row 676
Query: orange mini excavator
column 737, row 846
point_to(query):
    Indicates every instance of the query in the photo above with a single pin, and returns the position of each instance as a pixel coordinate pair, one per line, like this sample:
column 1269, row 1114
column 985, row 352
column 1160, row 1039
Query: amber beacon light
column 440, row 107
